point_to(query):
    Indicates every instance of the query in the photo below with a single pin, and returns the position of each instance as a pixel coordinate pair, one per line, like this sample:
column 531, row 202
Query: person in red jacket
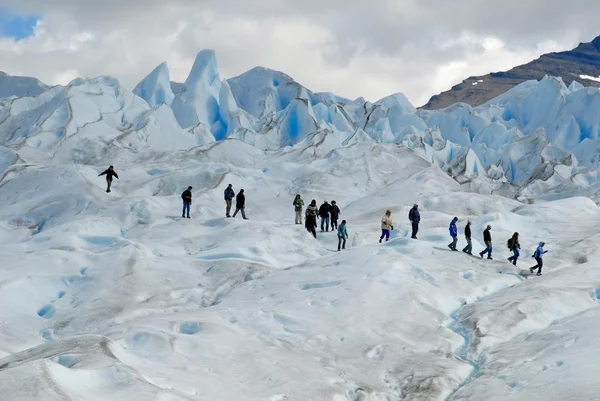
column 110, row 173
column 187, row 202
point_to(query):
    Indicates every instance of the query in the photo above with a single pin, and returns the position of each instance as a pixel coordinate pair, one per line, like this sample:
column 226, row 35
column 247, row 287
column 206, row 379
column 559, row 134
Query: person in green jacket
column 298, row 203
column 342, row 235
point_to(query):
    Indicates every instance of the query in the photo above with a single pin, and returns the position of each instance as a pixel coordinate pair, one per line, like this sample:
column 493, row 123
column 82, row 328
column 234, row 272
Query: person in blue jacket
column 538, row 255
column 342, row 235
column 453, row 234
column 415, row 219
column 229, row 195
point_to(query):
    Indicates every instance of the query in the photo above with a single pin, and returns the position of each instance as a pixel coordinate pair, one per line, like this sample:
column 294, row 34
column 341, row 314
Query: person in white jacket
column 386, row 225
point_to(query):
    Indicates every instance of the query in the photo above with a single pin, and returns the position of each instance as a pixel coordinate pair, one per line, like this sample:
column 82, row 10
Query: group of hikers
column 240, row 202
column 512, row 244
column 329, row 215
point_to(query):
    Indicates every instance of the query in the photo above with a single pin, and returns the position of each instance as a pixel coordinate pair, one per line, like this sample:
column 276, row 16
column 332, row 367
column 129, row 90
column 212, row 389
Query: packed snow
column 115, row 296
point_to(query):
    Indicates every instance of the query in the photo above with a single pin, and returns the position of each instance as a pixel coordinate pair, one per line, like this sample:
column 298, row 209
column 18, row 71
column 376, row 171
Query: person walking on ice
column 514, row 246
column 311, row 218
column 187, row 202
column 386, row 225
column 342, row 235
column 229, row 195
column 324, row 211
column 538, row 255
column 298, row 203
column 110, row 173
column 415, row 218
column 240, row 203
column 487, row 239
column 453, row 234
column 469, row 247
column 335, row 214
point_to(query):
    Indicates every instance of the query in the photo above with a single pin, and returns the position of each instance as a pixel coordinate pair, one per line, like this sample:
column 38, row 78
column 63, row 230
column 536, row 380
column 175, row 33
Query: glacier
column 114, row 296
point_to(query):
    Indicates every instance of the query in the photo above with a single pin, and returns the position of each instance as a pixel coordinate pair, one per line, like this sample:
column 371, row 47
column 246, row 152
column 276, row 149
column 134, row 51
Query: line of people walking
column 513, row 245
column 329, row 215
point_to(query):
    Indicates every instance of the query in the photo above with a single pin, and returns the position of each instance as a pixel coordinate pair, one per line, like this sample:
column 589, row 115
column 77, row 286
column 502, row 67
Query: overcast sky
column 370, row 49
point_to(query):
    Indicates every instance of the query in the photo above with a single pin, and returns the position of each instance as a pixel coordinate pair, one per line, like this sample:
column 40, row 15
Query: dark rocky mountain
column 570, row 65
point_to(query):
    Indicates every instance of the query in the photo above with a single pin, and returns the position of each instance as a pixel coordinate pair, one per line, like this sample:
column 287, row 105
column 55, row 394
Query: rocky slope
column 571, row 65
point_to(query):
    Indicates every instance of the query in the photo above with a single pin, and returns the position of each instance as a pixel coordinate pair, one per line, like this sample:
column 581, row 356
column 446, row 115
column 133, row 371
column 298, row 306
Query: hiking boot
column 539, row 274
column 531, row 270
column 489, row 257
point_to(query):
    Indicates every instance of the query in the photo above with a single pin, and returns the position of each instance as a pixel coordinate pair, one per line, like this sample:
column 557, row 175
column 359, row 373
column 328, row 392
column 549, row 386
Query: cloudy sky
column 370, row 49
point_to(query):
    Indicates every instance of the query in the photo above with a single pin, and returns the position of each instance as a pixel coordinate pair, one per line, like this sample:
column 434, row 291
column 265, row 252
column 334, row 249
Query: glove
column 392, row 227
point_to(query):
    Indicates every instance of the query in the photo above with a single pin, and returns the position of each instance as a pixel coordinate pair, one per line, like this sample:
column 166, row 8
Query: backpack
column 509, row 243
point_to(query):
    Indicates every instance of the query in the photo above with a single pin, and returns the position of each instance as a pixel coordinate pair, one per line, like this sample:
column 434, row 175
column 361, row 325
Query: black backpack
column 509, row 243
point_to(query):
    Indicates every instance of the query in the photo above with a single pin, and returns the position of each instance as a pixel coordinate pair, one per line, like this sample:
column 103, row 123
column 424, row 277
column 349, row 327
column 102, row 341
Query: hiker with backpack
column 453, row 234
column 334, row 211
column 469, row 247
column 342, row 235
column 228, row 195
column 324, row 214
column 487, row 239
column 186, row 196
column 298, row 203
column 240, row 204
column 310, row 218
column 514, row 245
column 538, row 255
column 386, row 225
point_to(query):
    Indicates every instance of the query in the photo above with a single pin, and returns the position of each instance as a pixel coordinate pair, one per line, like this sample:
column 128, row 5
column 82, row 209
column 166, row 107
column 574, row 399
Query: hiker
column 514, row 246
column 311, row 218
column 324, row 214
column 342, row 235
column 386, row 225
column 240, row 202
column 110, row 173
column 415, row 218
column 298, row 203
column 335, row 214
column 538, row 255
column 487, row 239
column 469, row 247
column 187, row 201
column 229, row 194
column 453, row 234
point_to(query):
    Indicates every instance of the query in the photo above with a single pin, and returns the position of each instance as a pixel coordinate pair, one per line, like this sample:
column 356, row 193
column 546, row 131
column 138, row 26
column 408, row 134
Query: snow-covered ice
column 113, row 296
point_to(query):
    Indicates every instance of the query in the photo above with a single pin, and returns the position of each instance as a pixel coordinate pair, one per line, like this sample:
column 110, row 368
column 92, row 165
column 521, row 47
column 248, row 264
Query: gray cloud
column 370, row 49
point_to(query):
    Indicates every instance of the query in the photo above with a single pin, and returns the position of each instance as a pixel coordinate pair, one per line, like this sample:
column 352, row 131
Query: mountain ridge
column 570, row 65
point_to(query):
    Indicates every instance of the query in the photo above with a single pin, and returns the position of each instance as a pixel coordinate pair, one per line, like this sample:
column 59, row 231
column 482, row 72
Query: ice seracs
column 156, row 87
column 198, row 99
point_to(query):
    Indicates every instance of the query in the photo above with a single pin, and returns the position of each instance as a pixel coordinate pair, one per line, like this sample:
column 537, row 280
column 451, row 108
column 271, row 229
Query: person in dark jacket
column 453, row 234
column 335, row 214
column 415, row 218
column 240, row 203
column 514, row 246
column 298, row 203
column 538, row 255
column 186, row 196
column 229, row 194
column 110, row 173
column 469, row 247
column 487, row 239
column 310, row 217
column 324, row 211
